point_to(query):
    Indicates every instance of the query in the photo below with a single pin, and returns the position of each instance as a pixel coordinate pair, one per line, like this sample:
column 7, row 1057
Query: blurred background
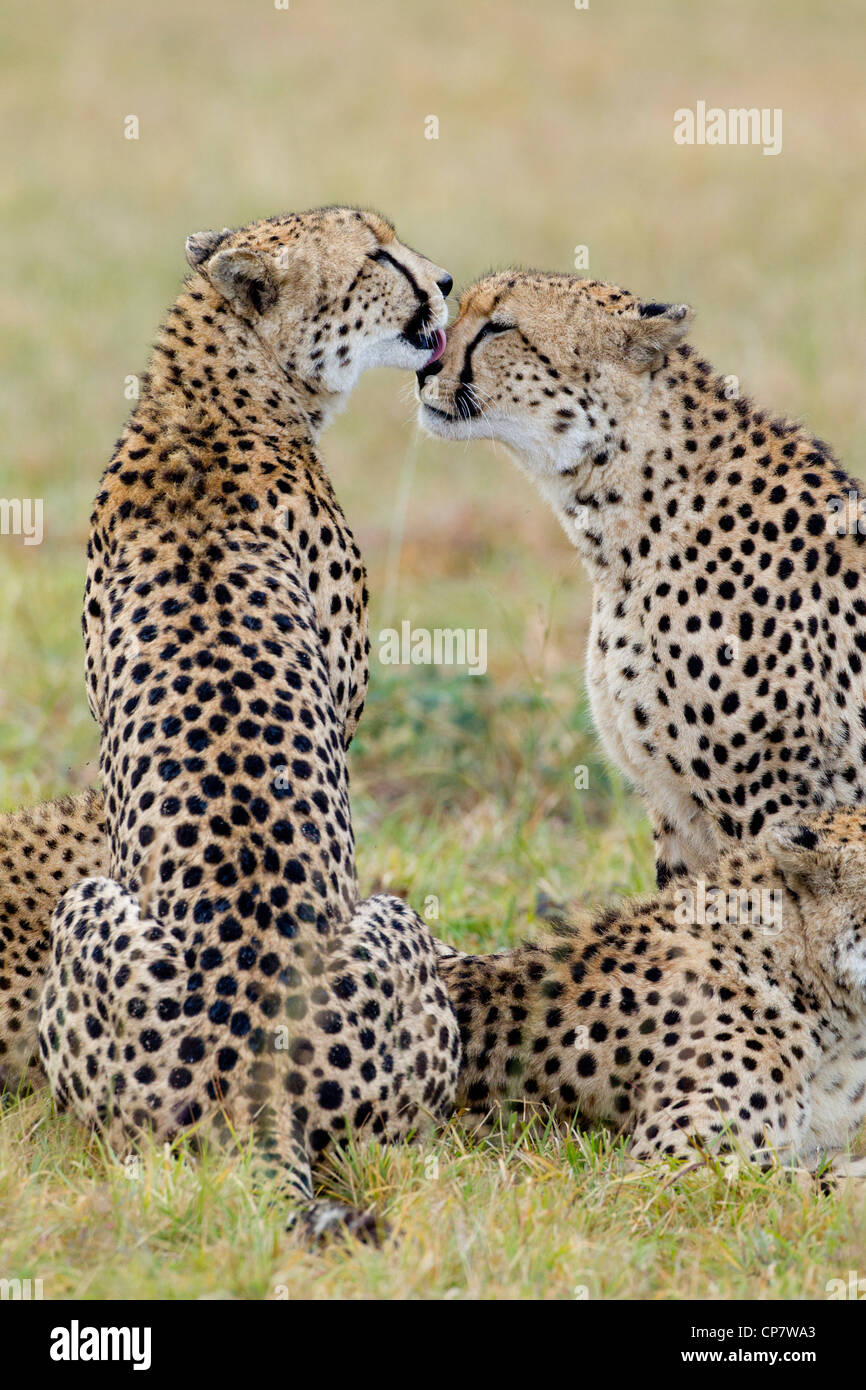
column 555, row 131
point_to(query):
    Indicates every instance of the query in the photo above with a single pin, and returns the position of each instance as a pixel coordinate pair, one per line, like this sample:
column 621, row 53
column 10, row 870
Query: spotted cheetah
column 43, row 852
column 726, row 653
column 220, row 975
column 727, row 1017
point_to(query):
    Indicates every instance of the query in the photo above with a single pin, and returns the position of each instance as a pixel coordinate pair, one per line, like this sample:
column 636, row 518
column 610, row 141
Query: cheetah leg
column 43, row 851
column 119, row 1050
column 690, row 1129
column 744, row 1122
column 114, row 1015
column 499, row 1066
column 137, row 1036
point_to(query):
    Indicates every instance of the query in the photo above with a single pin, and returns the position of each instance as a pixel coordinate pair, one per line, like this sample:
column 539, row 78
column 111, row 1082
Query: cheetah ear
column 658, row 329
column 245, row 279
column 201, row 245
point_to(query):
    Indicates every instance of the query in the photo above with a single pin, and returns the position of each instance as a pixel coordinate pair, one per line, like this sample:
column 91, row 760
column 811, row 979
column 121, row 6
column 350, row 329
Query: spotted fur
column 743, row 1032
column 43, row 852
column 726, row 654
column 220, row 974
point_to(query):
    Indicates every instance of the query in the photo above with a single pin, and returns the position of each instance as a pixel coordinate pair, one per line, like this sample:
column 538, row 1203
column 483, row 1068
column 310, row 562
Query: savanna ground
column 555, row 130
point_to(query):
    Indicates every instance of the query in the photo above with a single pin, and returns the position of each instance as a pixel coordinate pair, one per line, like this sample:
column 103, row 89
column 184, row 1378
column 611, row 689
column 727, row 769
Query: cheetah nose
column 446, row 284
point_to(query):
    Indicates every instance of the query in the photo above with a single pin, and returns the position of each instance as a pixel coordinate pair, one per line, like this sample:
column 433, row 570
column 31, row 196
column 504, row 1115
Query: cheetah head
column 329, row 293
column 823, row 859
column 545, row 363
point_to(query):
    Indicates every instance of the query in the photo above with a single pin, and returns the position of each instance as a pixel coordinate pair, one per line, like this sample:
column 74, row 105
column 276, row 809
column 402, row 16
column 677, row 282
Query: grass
column 555, row 130
column 541, row 1212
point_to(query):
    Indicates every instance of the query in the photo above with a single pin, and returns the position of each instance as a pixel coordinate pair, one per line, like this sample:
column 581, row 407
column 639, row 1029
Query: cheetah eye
column 492, row 328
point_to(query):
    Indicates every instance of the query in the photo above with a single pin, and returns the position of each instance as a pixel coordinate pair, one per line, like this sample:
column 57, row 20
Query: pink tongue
column 438, row 349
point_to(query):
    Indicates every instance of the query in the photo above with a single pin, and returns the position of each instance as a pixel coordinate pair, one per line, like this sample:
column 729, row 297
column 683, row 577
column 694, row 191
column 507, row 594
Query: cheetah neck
column 219, row 427
column 665, row 472
column 209, row 367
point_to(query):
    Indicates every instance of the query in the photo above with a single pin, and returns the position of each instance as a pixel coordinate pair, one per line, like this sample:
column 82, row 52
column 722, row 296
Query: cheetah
column 218, row 974
column 43, row 852
column 731, row 1024
column 725, row 664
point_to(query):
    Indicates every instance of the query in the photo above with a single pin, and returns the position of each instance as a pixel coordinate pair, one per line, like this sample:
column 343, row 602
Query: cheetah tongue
column 438, row 349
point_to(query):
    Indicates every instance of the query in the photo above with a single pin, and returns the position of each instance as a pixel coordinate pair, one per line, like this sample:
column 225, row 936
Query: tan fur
column 746, row 1034
column 43, row 852
column 726, row 655
column 221, row 974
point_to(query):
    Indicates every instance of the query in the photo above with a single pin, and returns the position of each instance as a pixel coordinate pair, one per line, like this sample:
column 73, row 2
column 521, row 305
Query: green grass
column 542, row 1211
column 555, row 130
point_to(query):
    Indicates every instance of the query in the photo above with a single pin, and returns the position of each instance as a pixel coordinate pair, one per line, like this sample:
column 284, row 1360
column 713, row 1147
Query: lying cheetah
column 731, row 1019
column 43, row 852
column 221, row 973
column 726, row 654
